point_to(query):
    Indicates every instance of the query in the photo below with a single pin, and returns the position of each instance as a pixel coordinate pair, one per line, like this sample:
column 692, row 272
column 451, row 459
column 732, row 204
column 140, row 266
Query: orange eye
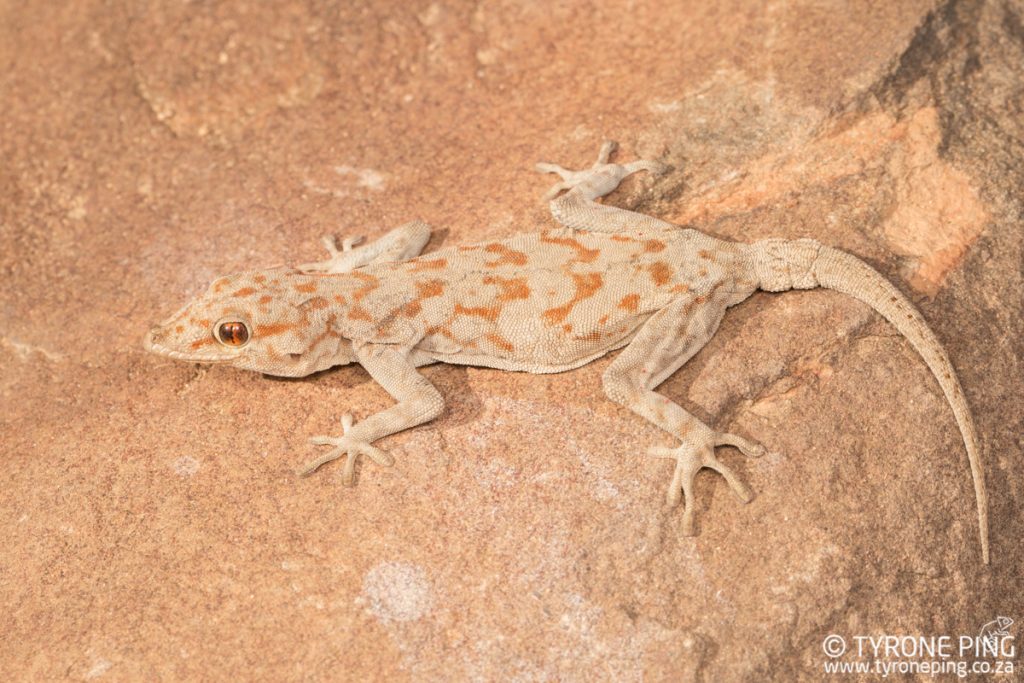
column 232, row 333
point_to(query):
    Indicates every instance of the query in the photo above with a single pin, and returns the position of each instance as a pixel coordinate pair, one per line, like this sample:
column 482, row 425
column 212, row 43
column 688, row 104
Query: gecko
column 993, row 632
column 604, row 279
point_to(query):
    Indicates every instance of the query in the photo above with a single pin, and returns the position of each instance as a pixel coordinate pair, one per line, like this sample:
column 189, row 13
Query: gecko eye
column 231, row 333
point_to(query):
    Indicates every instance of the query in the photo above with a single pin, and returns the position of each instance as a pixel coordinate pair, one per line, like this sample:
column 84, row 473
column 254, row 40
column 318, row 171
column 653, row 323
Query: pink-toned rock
column 153, row 525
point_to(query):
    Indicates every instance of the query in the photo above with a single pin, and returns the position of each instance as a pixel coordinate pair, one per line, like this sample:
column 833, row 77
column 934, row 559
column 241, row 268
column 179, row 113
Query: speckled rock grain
column 153, row 527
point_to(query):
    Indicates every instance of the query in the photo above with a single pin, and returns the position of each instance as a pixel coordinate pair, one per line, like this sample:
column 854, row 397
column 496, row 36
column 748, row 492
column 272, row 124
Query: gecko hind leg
column 663, row 344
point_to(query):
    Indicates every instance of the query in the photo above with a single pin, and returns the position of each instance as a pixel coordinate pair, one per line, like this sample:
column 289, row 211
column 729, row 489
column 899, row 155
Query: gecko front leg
column 394, row 369
column 576, row 208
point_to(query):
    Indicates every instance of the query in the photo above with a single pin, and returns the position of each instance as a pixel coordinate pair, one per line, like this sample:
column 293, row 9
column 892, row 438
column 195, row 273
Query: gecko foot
column 339, row 260
column 345, row 445
column 691, row 459
column 599, row 179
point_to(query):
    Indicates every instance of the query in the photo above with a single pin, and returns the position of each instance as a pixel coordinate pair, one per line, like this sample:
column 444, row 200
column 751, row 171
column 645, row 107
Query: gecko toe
column 661, row 452
column 741, row 490
column 335, row 453
column 380, row 457
column 751, row 449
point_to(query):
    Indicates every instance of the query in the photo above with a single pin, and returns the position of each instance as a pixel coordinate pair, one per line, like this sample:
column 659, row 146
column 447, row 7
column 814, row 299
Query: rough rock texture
column 152, row 523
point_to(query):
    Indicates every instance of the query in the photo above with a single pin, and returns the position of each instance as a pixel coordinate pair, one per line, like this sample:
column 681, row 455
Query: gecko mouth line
column 155, row 347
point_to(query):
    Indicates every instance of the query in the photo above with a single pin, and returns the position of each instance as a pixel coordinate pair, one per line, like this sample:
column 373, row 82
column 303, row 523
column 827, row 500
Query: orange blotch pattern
column 510, row 288
column 660, row 273
column 630, row 302
column 487, row 313
column 273, row 328
column 587, row 285
column 583, row 255
column 370, row 283
column 500, row 342
column 506, row 256
column 430, row 288
column 443, row 330
column 359, row 313
column 435, row 264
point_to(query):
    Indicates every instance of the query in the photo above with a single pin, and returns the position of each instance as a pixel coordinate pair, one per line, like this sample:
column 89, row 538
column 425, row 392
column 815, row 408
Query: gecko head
column 269, row 321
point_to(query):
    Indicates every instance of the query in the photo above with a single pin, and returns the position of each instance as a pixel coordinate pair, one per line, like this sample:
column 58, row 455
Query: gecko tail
column 781, row 265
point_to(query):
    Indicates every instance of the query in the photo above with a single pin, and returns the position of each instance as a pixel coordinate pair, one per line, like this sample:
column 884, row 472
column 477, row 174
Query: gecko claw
column 345, row 445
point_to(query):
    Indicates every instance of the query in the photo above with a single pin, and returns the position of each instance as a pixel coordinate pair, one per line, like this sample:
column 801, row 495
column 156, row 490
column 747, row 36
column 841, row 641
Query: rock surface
column 153, row 527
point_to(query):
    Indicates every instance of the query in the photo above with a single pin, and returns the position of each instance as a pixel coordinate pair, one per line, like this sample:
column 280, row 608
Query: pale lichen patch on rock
column 397, row 591
column 185, row 466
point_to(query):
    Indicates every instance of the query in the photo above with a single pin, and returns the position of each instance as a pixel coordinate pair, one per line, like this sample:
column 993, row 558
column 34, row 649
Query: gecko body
column 539, row 302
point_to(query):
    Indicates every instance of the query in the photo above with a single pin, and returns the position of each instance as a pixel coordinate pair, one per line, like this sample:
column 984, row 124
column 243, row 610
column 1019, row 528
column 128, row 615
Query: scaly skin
column 534, row 302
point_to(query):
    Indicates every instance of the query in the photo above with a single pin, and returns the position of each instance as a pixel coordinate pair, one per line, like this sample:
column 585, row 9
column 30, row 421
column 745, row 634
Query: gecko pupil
column 234, row 334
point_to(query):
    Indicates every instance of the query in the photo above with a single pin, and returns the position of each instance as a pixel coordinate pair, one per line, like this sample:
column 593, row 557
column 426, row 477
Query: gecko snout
column 149, row 340
column 156, row 341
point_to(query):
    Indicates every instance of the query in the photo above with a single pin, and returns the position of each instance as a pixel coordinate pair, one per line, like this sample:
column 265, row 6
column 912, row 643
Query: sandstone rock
column 153, row 526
